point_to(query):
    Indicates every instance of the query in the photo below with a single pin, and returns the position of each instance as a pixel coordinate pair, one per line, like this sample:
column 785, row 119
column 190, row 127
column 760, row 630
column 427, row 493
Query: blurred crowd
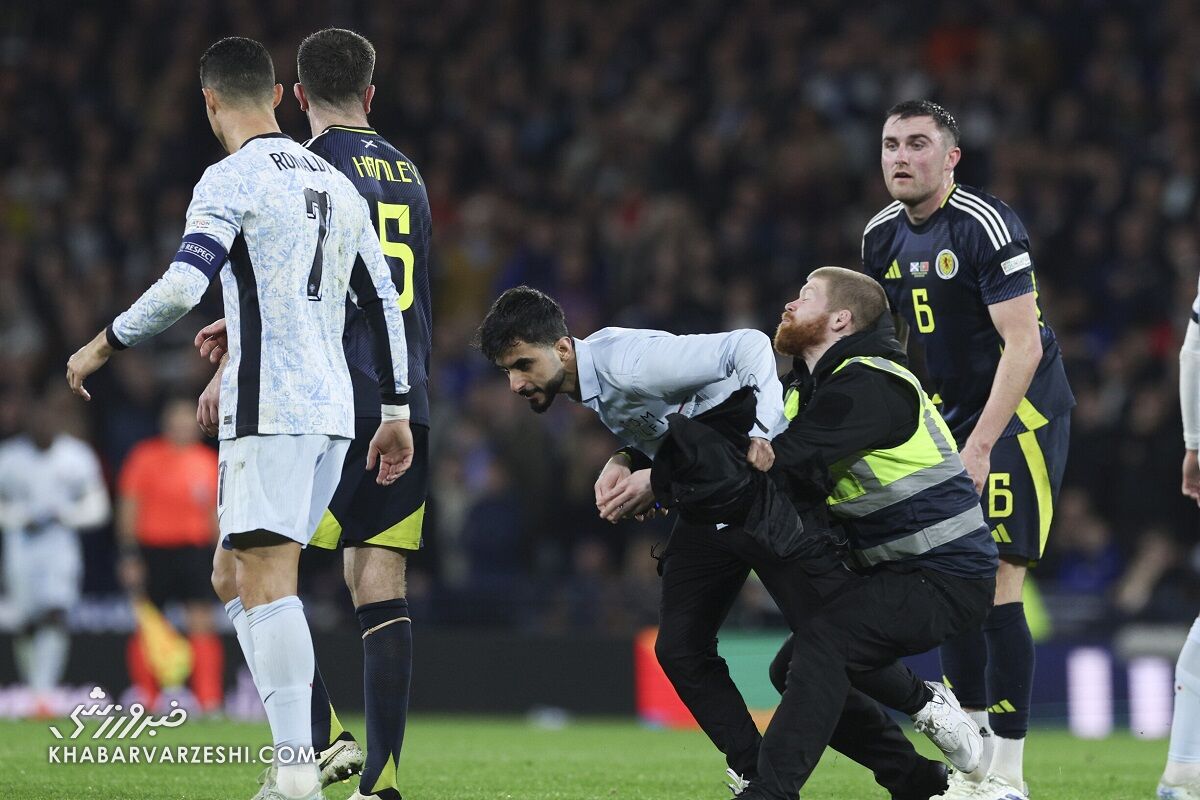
column 676, row 165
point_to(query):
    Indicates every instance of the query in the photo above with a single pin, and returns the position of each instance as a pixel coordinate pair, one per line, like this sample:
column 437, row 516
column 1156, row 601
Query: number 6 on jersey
column 922, row 310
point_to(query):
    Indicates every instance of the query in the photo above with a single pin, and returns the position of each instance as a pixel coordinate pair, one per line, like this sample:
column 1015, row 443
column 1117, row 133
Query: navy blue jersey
column 399, row 206
column 941, row 276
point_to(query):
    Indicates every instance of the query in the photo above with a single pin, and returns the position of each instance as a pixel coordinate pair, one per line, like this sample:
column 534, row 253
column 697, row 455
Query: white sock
column 1183, row 756
column 283, row 654
column 237, row 615
column 1008, row 760
column 48, row 656
column 298, row 780
column 980, row 718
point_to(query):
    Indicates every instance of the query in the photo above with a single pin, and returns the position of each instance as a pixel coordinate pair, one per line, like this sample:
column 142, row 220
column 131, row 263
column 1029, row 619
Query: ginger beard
column 793, row 337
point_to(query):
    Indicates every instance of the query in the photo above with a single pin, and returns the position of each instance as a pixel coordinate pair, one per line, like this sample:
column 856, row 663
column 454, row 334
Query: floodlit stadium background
column 671, row 165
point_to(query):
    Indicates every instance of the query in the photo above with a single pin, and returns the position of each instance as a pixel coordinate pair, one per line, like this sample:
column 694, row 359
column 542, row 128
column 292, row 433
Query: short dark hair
column 239, row 69
column 860, row 294
column 927, row 108
column 520, row 314
column 335, row 65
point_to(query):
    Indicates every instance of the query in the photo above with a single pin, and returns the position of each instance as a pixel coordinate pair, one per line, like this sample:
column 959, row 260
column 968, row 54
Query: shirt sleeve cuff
column 637, row 459
column 113, row 341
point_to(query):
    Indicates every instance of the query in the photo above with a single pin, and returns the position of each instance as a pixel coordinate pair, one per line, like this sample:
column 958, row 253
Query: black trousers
column 861, row 631
column 703, row 571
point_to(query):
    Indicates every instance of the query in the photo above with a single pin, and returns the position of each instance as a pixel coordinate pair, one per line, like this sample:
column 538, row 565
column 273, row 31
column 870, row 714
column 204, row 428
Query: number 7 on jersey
column 317, row 204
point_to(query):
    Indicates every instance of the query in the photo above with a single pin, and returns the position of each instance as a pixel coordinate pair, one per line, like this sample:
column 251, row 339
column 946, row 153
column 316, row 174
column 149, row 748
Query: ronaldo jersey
column 399, row 208
column 942, row 275
column 290, row 236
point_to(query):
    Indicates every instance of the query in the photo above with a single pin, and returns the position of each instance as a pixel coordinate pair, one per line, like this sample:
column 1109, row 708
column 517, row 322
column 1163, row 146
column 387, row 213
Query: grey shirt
column 634, row 378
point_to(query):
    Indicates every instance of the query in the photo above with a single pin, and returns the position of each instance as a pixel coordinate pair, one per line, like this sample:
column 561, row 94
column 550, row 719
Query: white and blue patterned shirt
column 290, row 236
column 634, row 378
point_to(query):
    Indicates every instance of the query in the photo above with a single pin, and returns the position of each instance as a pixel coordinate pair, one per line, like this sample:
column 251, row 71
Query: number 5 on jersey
column 922, row 310
column 399, row 214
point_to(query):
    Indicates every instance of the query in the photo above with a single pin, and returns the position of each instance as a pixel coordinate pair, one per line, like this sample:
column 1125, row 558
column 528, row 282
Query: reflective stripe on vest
column 879, row 479
column 922, row 541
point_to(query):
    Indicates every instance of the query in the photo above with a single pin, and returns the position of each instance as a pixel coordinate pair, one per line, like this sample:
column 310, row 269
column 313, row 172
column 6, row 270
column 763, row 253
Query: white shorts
column 43, row 571
column 280, row 483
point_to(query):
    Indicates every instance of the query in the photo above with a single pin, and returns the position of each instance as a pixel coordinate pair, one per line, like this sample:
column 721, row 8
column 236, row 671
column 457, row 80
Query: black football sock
column 1009, row 670
column 387, row 670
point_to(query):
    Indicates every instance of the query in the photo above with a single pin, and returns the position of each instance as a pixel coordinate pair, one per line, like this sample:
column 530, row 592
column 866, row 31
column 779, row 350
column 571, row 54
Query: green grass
column 498, row 759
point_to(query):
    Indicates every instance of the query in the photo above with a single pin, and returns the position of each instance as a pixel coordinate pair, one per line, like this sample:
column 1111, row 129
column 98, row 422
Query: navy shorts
column 363, row 512
column 1022, row 488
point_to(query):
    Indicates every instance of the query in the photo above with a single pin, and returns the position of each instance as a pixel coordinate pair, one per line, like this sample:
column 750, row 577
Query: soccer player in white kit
column 51, row 487
column 290, row 236
column 1181, row 778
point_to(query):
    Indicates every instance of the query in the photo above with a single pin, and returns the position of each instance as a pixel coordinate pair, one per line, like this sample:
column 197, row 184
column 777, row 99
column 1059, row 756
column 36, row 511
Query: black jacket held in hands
column 701, row 470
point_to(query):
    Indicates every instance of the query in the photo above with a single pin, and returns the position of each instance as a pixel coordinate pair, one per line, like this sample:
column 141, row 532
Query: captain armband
column 203, row 252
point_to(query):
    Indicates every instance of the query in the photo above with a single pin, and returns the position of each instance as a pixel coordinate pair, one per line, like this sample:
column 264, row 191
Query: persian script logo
column 118, row 722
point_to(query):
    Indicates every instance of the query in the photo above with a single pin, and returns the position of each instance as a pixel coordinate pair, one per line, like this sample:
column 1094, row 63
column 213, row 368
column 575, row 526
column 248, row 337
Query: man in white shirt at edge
column 51, row 490
column 1181, row 778
column 285, row 230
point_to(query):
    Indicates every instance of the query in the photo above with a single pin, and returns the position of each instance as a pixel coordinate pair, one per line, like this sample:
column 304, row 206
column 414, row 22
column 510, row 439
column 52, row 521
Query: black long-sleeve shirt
column 842, row 414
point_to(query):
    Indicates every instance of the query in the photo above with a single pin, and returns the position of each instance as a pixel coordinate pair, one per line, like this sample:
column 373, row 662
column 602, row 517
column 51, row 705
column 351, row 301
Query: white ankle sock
column 298, row 780
column 1008, row 759
column 1183, row 757
column 283, row 654
column 980, row 718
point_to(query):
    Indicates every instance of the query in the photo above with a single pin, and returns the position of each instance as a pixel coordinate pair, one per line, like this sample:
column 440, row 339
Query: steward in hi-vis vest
column 899, row 487
column 865, row 441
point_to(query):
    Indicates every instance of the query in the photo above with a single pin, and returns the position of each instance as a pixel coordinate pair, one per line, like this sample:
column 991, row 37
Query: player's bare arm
column 1191, row 476
column 86, row 360
column 1016, row 321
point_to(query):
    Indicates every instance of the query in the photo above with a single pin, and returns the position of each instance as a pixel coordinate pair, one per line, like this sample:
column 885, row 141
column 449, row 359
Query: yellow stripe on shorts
column 328, row 534
column 1030, row 417
column 1036, row 461
column 405, row 534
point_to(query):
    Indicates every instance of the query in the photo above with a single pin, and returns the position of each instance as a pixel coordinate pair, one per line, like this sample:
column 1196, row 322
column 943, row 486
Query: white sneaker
column 266, row 778
column 270, row 791
column 996, row 788
column 961, row 787
column 736, row 782
column 950, row 728
column 1180, row 791
column 340, row 760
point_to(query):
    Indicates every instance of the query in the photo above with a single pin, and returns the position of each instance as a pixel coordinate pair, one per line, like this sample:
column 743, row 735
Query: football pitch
column 469, row 758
